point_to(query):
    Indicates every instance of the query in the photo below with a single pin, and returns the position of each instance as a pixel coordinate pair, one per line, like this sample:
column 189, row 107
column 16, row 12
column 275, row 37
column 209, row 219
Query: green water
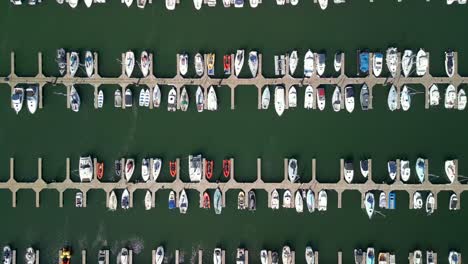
column 55, row 133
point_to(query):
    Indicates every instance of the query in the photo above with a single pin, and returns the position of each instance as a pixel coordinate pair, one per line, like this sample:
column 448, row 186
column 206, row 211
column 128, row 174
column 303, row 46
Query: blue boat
column 392, row 200
column 364, row 62
column 172, row 200
column 370, row 256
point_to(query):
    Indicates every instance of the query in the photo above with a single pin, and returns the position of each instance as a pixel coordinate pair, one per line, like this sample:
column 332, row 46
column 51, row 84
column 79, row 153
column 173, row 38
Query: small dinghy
column 461, row 99
column 364, row 97
column 377, row 64
column 309, row 255
column 383, row 200
column 241, row 200
column 349, row 99
column 322, row 200
column 200, row 99
column 74, row 63
column 309, row 97
column 183, row 60
column 336, row 99
column 405, row 170
column 299, row 202
column 392, row 169
column 17, row 98
column 293, row 60
column 253, row 63
column 286, row 255
column 434, row 95
column 450, row 97
column 453, row 202
column 128, row 98
column 184, row 100
column 292, row 170
column 117, row 98
column 89, row 63
column 422, row 62
column 125, row 201
column 287, row 199
column 337, row 61
column 369, row 203
column 450, row 170
column 159, row 255
column 156, row 96
column 112, row 203
column 171, row 100
column 279, row 100
column 199, row 63
column 145, row 63
column 430, row 202
column 392, row 98
column 252, row 201
column 183, row 202
column 218, row 201
column 129, row 63
column 417, row 200
column 75, row 100
column 100, row 99
column 320, row 61
column 212, row 104
column 420, row 169
column 392, row 61
column 454, row 257
column 348, row 171
column 364, row 165
column 129, row 168
column 275, row 202
column 197, row 4
column 370, row 256
column 449, row 63
column 323, row 4
column 309, row 64
column 238, row 62
column 172, row 200
column 405, row 99
column 148, row 200
column 145, row 170
column 266, row 98
column 310, row 201
column 407, row 62
column 292, row 97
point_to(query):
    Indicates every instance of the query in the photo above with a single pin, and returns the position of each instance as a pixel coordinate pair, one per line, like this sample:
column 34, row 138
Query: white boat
column 145, row 63
column 79, row 199
column 159, row 255
column 86, row 169
column 292, row 97
column 156, row 96
column 453, row 202
column 128, row 2
column 118, row 98
column 364, row 166
column 75, row 100
column 280, row 2
column 156, row 168
column 100, row 99
column 383, row 200
column 309, row 255
column 392, row 60
column 227, row 3
column 370, row 255
column 199, row 64
column 183, row 59
column 129, row 168
column 170, row 4
column 407, row 62
column 349, row 99
column 405, row 99
column 434, row 95
column 146, row 98
column 240, row 256
column 123, row 256
column 197, row 4
column 148, row 200
column 287, row 199
column 323, row 4
column 454, row 257
column 129, row 63
column 112, row 204
column 430, row 257
column 286, row 255
column 299, row 202
column 405, row 170
column 293, row 60
column 450, row 97
column 377, row 64
column 145, row 169
column 449, row 63
column 253, row 63
column 392, row 98
column 217, row 252
column 141, row 3
column 253, row 3
column 279, row 100
column 369, row 203
column 420, row 169
column 417, row 257
column 310, row 201
column 30, row 256
column 294, row 2
column 17, row 98
column 320, row 61
column 73, row 3
column 422, row 62
column 263, row 256
column 292, row 170
column 417, row 200
column 450, row 170
column 392, row 169
column 308, row 97
column 7, row 255
column 74, row 63
column 89, row 63
column 128, row 98
column 461, row 99
column 238, row 62
column 266, row 98
column 200, row 99
column 125, row 201
column 337, row 61
column 275, row 202
column 183, row 202
column 336, row 99
column 348, row 171
column 184, row 100
column 31, row 99
column 195, row 167
column 309, row 64
column 430, row 202
column 171, row 100
column 322, row 200
column 141, row 98
column 212, row 102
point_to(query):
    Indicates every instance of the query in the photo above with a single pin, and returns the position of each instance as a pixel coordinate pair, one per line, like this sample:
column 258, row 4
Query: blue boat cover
column 172, row 204
column 364, row 62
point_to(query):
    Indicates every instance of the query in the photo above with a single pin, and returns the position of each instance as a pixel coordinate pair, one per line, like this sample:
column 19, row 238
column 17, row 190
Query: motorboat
column 275, row 202
column 348, row 171
column 100, row 170
column 252, row 200
column 336, row 99
column 89, row 63
column 292, row 170
column 323, row 4
column 209, row 164
column 218, row 201
column 197, row 4
column 145, row 63
column 227, row 62
column 279, row 100
column 170, row 4
column 453, row 202
column 430, row 203
column 217, row 256
column 238, row 62
column 450, row 96
column 405, row 99
column 377, row 64
column 449, row 63
column 184, row 100
column 309, row 64
column 364, row 97
column 172, row 200
column 383, row 258
column 226, row 168
column 322, row 200
column 370, row 255
column 417, row 200
column 159, row 255
column 17, row 98
column 405, row 170
column 61, row 61
column 349, row 99
column 461, row 99
column 266, row 98
column 141, row 3
column 420, row 169
column 430, row 259
column 112, row 203
column 128, row 2
column 321, row 98
column 434, row 95
column 86, row 169
column 129, row 63
column 280, row 2
column 454, row 257
column 65, row 252
column 422, row 62
column 141, row 98
column 79, row 199
column 294, row 2
column 146, row 98
column 148, row 200
column 263, row 256
column 286, row 255
column 241, row 200
column 173, row 168
column 391, row 200
column 293, row 60
column 118, row 98
column 129, row 168
column 145, row 169
column 320, row 61
column 392, row 61
column 337, row 61
column 407, row 62
column 210, row 64
column 171, row 100
column 417, row 257
column 195, row 167
column 309, row 97
column 253, row 63
column 240, row 256
column 125, row 201
column 100, row 99
column 156, row 96
column 30, row 256
column 369, row 203
column 358, row 256
column 383, row 200
column 74, row 63
column 183, row 59
column 199, row 63
column 392, row 169
column 392, row 98
column 287, row 199
column 309, row 255
column 156, row 168
column 124, row 256
column 128, row 98
column 183, row 202
column 238, row 3
column 310, row 201
column 200, row 99
column 364, row 166
column 212, row 104
column 292, row 97
column 450, row 170
column 364, row 62
column 299, row 202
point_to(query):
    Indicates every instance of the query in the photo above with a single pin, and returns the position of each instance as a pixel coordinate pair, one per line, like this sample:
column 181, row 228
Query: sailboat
column 184, row 100
column 336, row 99
column 279, row 100
column 309, row 97
column 450, row 97
column 422, row 62
column 405, row 99
column 266, row 98
column 348, row 171
column 183, row 202
column 449, row 63
column 407, row 62
column 74, row 63
column 320, row 61
column 420, row 169
column 238, row 62
column 31, row 98
column 377, row 64
column 349, row 99
column 183, row 59
column 310, row 201
column 129, row 63
column 308, row 64
column 171, row 100
column 75, row 100
column 61, row 61
column 293, row 59
column 159, row 255
column 148, row 200
column 461, row 99
column 392, row 98
column 292, row 97
column 89, row 63
column 129, row 168
column 217, row 256
column 405, row 170
column 434, row 95
column 145, row 169
column 200, row 99
column 450, row 170
column 156, row 96
column 292, row 170
column 197, row 4
column 299, row 202
column 369, row 203
column 212, row 104
column 145, row 63
column 100, row 99
column 392, row 60
column 364, row 166
column 253, row 63
column 17, row 98
column 199, row 64
column 112, row 204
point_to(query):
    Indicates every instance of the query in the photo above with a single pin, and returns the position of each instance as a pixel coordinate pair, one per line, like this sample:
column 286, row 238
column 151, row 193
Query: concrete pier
column 200, row 256
column 83, row 256
column 176, row 257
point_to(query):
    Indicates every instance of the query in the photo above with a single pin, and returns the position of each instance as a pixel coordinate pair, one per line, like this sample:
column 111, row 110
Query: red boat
column 226, row 168
column 206, row 201
column 227, row 64
column 172, row 168
column 100, row 170
column 209, row 169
